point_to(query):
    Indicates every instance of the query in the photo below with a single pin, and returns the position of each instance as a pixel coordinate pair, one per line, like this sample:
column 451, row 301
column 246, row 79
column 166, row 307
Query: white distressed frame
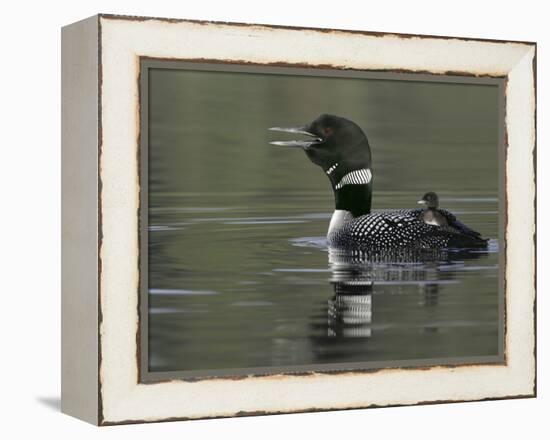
column 122, row 41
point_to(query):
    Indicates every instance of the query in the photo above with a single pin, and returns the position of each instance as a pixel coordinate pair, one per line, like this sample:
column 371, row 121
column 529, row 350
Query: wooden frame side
column 79, row 146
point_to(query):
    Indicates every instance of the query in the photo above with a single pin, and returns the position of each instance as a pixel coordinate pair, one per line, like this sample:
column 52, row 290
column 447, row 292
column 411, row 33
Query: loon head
column 336, row 144
column 430, row 200
column 342, row 150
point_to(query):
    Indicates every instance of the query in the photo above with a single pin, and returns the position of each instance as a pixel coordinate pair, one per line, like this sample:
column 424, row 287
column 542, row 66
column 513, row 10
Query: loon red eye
column 327, row 131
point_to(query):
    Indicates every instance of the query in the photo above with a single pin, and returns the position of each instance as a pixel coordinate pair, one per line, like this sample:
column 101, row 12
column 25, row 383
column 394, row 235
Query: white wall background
column 30, row 217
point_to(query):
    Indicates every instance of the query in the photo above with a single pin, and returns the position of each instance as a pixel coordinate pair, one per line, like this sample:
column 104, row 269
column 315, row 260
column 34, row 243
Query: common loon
column 342, row 150
column 432, row 215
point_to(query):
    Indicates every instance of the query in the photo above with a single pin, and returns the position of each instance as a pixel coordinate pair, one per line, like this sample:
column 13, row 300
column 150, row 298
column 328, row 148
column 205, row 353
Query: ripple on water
column 181, row 292
column 173, row 311
column 311, row 242
column 252, row 303
column 263, row 222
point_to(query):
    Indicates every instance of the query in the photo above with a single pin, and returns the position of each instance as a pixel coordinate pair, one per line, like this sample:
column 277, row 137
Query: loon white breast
column 342, row 150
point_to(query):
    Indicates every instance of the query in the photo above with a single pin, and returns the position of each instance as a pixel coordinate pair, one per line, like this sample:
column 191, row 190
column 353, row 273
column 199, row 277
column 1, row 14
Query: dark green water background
column 238, row 274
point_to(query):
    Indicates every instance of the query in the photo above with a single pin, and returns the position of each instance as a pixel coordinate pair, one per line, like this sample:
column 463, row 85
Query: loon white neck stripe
column 332, row 168
column 357, row 177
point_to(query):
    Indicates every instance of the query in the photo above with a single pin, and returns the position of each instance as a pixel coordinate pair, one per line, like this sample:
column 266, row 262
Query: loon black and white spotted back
column 342, row 150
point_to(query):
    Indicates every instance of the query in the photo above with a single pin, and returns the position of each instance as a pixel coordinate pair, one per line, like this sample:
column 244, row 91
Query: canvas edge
column 309, row 28
column 526, row 86
column 107, row 422
column 80, row 220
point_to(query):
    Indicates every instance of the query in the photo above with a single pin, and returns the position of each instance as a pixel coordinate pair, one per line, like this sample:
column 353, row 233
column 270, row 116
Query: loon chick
column 342, row 150
column 431, row 215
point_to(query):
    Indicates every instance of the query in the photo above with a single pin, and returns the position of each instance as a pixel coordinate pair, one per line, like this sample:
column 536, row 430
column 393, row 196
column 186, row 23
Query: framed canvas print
column 262, row 219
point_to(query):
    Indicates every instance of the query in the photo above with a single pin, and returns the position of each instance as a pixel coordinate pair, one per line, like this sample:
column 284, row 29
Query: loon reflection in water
column 360, row 282
column 342, row 150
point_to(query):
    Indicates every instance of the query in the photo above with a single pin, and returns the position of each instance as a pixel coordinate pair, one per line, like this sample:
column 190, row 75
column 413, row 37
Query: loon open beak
column 421, row 202
column 296, row 144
